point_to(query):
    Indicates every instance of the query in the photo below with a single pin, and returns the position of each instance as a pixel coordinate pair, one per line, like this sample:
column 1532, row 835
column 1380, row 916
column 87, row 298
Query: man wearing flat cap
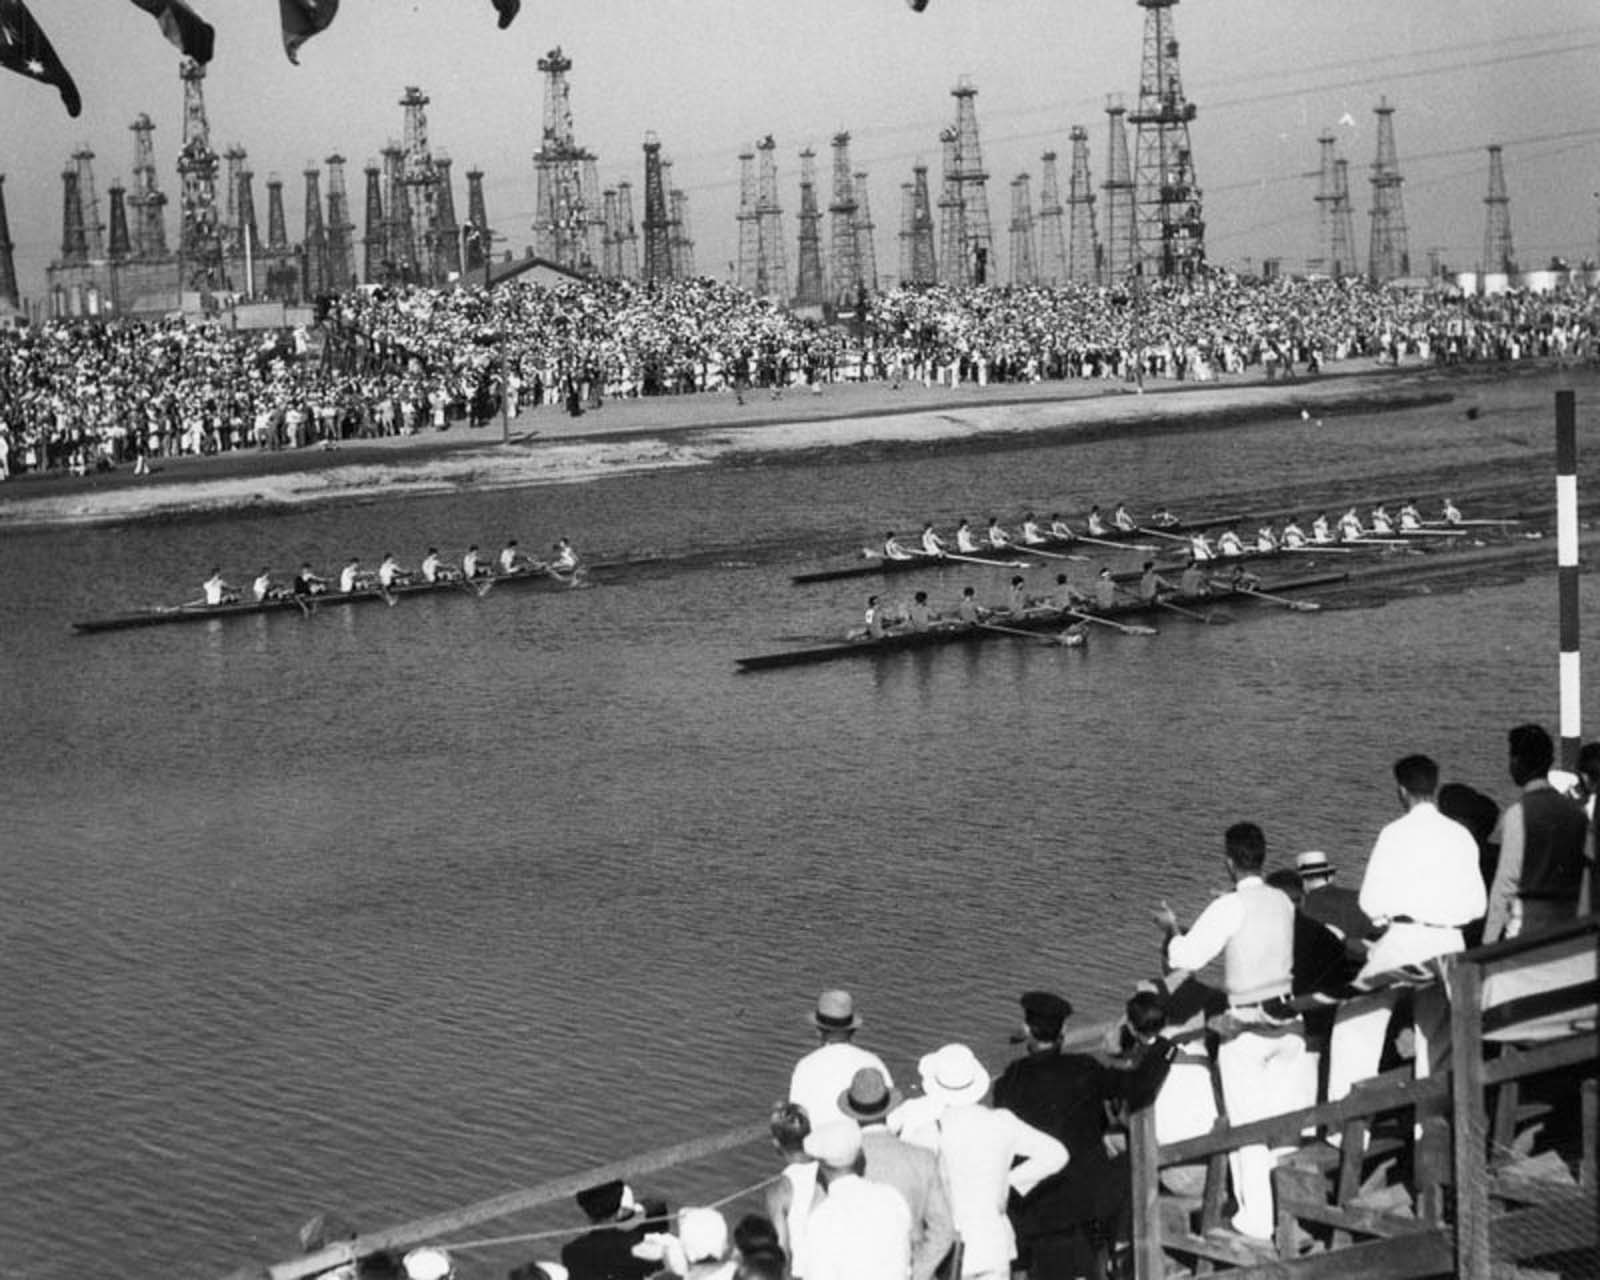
column 826, row 1072
column 1059, row 1223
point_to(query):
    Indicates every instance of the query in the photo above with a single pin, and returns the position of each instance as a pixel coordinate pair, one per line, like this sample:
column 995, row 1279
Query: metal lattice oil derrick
column 979, row 246
column 749, row 228
column 314, row 248
column 341, row 230
column 199, row 242
column 277, row 225
column 249, row 231
column 8, row 261
column 74, row 239
column 399, row 253
column 149, row 229
column 611, row 250
column 1122, row 226
column 866, row 236
column 628, row 247
column 594, row 223
column 1171, row 224
column 373, row 246
column 1324, row 200
column 421, row 182
column 924, row 262
column 906, row 240
column 564, row 222
column 810, row 288
column 844, row 262
column 1344, row 224
column 1024, row 269
column 479, row 248
column 1052, row 231
column 657, row 224
column 773, row 273
column 1498, row 255
column 94, row 229
column 118, row 247
column 954, row 268
column 1388, row 250
column 228, row 229
column 446, row 230
column 1083, row 242
column 682, row 237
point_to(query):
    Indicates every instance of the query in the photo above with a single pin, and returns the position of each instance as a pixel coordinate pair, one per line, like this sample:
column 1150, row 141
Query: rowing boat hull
column 290, row 604
column 1045, row 623
column 1005, row 555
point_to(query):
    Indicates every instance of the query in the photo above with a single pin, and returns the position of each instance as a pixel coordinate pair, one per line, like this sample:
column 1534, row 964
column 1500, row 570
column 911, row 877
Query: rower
column 350, row 577
column 1031, row 533
column 1241, row 579
column 307, row 583
column 565, row 558
column 1193, row 580
column 470, row 568
column 1319, row 528
column 1452, row 513
column 1293, row 535
column 965, row 542
column 1381, row 523
column 1097, row 526
column 1229, row 544
column 390, row 574
column 1161, row 517
column 1122, row 519
column 1410, row 517
column 873, row 618
column 1060, row 529
column 932, row 543
column 217, row 591
column 1151, row 583
column 1066, row 596
column 919, row 616
column 892, row 550
column 1200, row 546
column 262, row 588
column 511, row 558
column 1017, row 595
column 432, row 569
column 1266, row 540
column 1350, row 527
column 968, row 611
column 1105, row 591
column 998, row 538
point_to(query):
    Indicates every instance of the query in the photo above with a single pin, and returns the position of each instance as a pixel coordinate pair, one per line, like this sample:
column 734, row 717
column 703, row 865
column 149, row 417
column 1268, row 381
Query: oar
column 1128, row 546
column 1125, row 628
column 998, row 564
column 1157, row 533
column 1017, row 631
column 1434, row 533
column 1461, row 523
column 1187, row 613
column 1321, row 549
column 1299, row 606
column 1375, row 542
column 1051, row 555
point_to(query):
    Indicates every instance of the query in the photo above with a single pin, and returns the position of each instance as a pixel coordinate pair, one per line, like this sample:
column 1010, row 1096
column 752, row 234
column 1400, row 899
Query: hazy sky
column 711, row 76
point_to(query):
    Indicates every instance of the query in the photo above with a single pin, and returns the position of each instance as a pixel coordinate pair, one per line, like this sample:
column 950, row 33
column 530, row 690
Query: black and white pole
column 1567, row 573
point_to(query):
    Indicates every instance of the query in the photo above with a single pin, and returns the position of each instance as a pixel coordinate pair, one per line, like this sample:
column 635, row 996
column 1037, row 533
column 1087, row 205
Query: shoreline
column 630, row 437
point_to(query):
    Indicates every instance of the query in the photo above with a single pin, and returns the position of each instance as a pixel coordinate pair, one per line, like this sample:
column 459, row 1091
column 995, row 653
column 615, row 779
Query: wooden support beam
column 1425, row 1253
column 1470, row 1125
column 1149, row 1262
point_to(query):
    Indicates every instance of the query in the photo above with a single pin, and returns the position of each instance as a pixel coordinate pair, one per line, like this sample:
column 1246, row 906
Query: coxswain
column 1381, row 523
column 217, row 591
column 1451, row 512
column 262, row 588
column 1229, row 544
column 1151, row 583
column 968, row 611
column 1350, row 527
column 1122, row 519
column 932, row 543
column 1032, row 535
column 350, row 577
column 1097, row 526
column 1319, row 528
column 564, row 558
column 511, row 558
column 1266, row 540
column 1105, row 591
column 1200, row 546
column 998, row 538
column 892, row 550
column 1161, row 517
column 1060, row 529
column 1193, row 581
column 1410, row 517
column 1293, row 535
column 432, row 569
column 470, row 568
column 307, row 583
column 919, row 616
column 965, row 542
column 390, row 574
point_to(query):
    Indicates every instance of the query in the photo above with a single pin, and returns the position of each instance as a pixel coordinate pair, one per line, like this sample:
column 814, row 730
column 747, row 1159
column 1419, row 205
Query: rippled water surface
column 387, row 910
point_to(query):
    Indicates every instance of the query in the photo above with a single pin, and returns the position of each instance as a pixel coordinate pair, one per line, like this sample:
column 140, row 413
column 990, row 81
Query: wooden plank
column 1558, row 1055
column 1425, row 1253
column 1589, row 1109
column 1353, row 1221
column 1470, row 1124
column 1149, row 1262
column 1352, row 1146
column 1538, row 1230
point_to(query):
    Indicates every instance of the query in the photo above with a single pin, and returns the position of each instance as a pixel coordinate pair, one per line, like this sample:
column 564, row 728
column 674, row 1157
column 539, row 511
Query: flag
column 302, row 19
column 182, row 26
column 25, row 49
column 508, row 10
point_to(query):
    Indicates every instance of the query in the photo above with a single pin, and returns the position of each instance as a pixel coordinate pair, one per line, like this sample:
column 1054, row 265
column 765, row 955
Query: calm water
column 389, row 910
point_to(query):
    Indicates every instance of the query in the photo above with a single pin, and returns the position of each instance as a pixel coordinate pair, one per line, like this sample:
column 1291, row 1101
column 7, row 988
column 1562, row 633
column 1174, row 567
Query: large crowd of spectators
column 85, row 395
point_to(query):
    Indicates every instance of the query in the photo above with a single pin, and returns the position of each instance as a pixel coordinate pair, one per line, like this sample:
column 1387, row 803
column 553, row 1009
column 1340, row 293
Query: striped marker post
column 1567, row 573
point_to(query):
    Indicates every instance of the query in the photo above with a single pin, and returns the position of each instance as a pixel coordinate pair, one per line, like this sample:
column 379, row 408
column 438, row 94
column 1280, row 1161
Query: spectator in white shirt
column 826, row 1072
column 861, row 1230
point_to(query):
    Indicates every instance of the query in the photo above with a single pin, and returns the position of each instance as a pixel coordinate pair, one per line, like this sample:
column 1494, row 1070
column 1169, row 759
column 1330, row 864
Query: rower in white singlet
column 390, row 574
column 1060, row 529
column 565, row 557
column 1451, row 512
column 350, row 575
column 892, row 550
column 965, row 542
column 431, row 565
column 1319, row 529
column 1105, row 590
column 1266, row 540
column 470, row 566
column 1097, row 526
column 217, row 591
column 1032, row 535
column 932, row 543
column 1410, row 517
column 1381, row 523
column 1122, row 519
column 1293, row 536
column 1161, row 517
column 1229, row 544
column 262, row 588
column 1350, row 527
column 996, row 533
column 1200, row 546
column 511, row 558
column 872, row 620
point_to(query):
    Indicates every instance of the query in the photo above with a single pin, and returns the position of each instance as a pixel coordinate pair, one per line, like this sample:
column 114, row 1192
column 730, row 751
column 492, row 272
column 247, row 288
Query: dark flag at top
column 508, row 10
column 25, row 49
column 302, row 19
column 182, row 26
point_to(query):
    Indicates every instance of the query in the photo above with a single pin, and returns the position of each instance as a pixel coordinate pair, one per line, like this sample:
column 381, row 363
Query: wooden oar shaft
column 1108, row 542
column 1104, row 622
column 1157, row 533
column 998, row 564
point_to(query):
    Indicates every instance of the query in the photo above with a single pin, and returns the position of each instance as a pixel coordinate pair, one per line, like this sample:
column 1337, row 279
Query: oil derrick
column 1052, row 235
column 772, row 272
column 8, row 262
column 1023, row 268
column 283, row 271
column 1498, row 256
column 373, row 247
column 628, row 246
column 979, row 244
column 228, row 226
column 1344, row 229
column 421, row 181
column 810, row 287
column 844, row 261
column 682, row 240
column 610, row 246
column 341, row 231
column 199, row 242
column 399, row 251
column 1388, row 255
column 1083, row 245
column 314, row 248
column 94, row 229
column 479, row 249
column 249, row 232
column 446, row 231
column 74, row 239
column 563, row 222
column 148, row 234
column 1172, row 229
column 923, row 266
column 117, row 247
column 749, row 231
column 657, row 228
column 866, row 244
column 1122, row 227
column 954, row 267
